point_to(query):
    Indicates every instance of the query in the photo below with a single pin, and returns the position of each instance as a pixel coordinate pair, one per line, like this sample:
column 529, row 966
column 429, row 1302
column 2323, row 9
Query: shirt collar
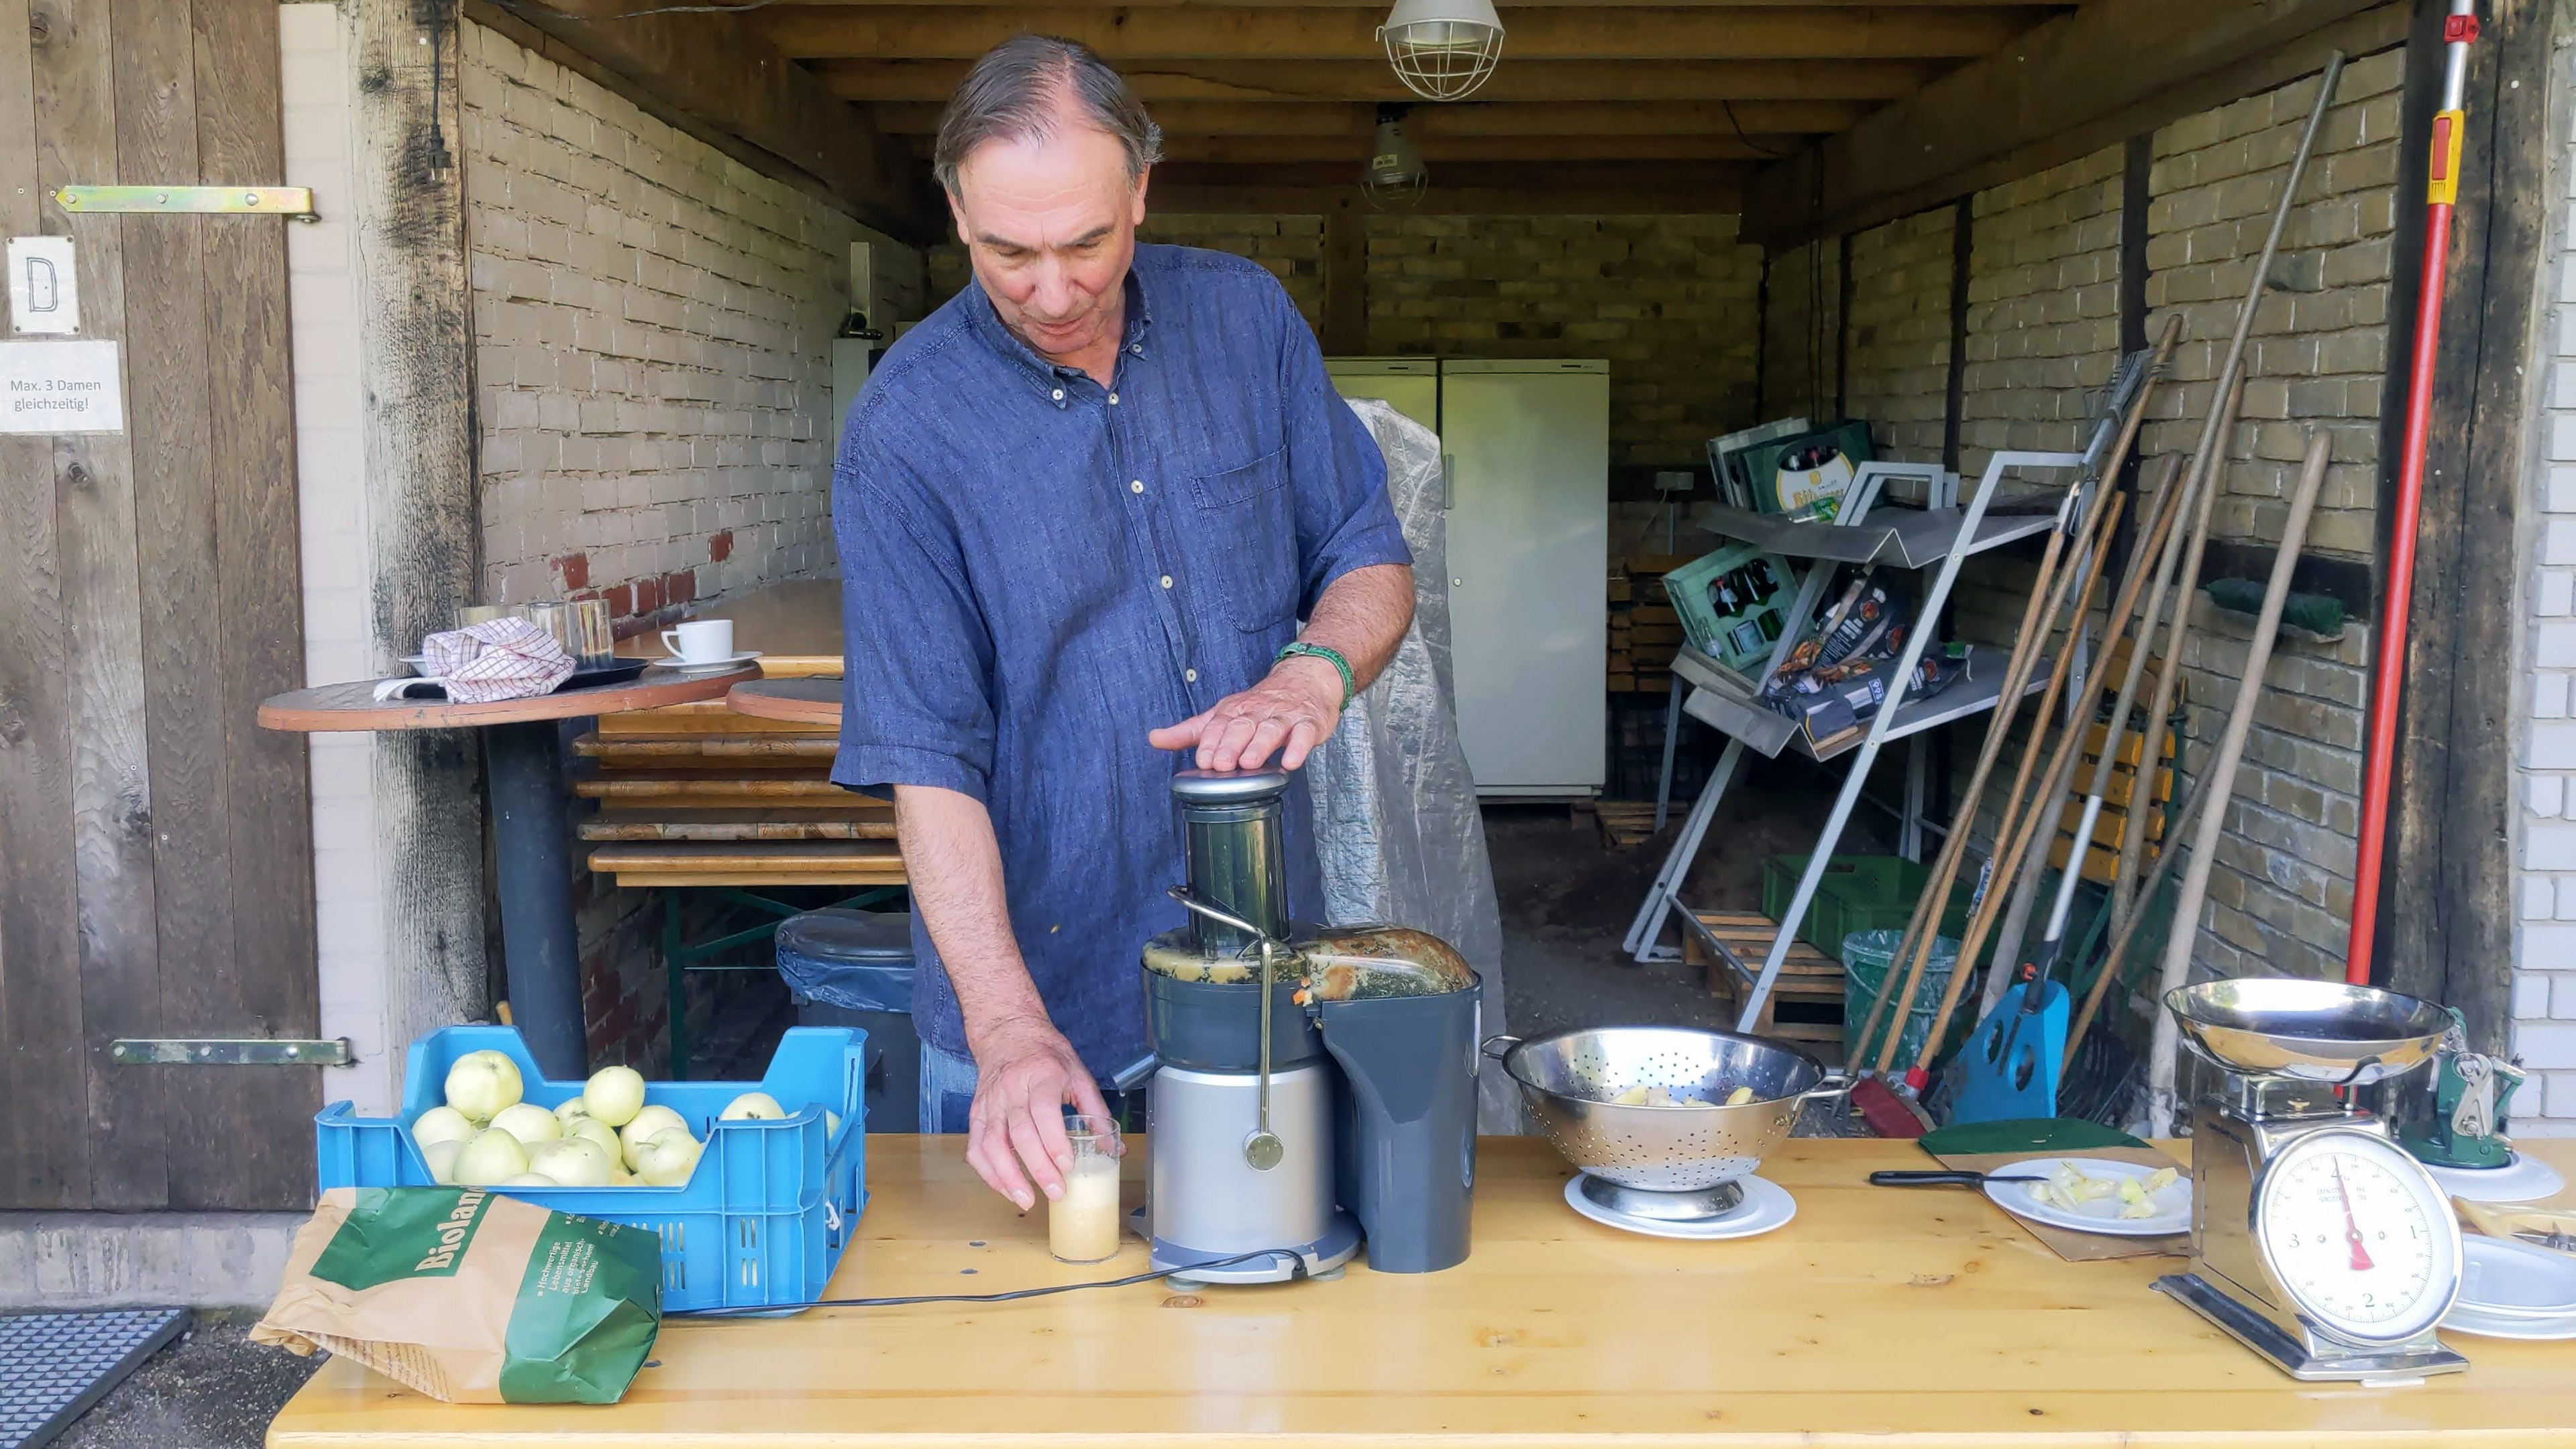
column 1045, row 376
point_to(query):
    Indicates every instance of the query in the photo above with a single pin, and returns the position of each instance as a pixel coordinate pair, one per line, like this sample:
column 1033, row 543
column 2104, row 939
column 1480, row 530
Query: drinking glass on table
column 1083, row 1226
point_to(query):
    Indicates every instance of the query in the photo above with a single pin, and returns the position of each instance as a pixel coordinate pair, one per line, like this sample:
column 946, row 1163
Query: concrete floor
column 1566, row 898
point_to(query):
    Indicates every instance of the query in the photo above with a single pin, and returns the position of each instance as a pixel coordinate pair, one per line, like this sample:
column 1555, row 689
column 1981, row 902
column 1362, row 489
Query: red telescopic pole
column 2442, row 191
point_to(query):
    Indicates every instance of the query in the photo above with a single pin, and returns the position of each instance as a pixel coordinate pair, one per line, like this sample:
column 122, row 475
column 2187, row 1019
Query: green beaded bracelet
column 1350, row 682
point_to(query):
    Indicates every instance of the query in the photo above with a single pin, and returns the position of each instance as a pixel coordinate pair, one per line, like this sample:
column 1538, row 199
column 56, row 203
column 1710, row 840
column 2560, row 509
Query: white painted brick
column 2537, row 899
column 2549, row 847
column 2552, row 747
column 2549, row 694
column 2531, row 997
column 2565, row 908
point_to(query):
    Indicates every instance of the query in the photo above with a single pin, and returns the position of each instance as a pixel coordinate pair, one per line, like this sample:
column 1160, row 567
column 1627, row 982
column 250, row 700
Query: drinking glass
column 1083, row 1226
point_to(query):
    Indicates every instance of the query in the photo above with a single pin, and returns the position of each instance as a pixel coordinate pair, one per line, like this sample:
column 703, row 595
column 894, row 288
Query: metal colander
column 1569, row 1079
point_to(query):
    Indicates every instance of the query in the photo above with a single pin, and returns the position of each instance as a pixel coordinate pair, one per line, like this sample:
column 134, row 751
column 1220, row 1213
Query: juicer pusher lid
column 2310, row 1031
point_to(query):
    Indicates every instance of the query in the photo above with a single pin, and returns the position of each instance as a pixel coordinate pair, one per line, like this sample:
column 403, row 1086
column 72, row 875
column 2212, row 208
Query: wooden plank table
column 799, row 701
column 530, row 820
column 795, row 624
column 1879, row 1316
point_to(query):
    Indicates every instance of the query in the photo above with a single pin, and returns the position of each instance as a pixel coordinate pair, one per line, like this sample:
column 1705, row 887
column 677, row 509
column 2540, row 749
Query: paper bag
column 471, row 1297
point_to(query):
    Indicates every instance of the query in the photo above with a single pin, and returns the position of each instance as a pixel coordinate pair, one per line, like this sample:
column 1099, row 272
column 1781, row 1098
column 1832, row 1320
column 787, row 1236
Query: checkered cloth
column 496, row 659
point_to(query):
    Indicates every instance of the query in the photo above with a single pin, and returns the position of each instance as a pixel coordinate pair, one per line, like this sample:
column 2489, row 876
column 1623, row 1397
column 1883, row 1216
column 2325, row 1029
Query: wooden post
column 416, row 347
column 2446, row 932
column 1345, row 330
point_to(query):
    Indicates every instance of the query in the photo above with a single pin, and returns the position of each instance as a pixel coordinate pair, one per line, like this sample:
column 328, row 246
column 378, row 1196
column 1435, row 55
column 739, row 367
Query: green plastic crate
column 1862, row 893
column 1741, row 638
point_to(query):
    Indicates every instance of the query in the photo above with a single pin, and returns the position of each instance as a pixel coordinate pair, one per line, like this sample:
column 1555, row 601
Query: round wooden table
column 531, row 821
column 799, row 701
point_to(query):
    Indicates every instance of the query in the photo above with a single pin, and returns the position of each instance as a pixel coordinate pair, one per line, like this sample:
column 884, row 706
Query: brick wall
column 1899, row 340
column 2544, row 949
column 2042, row 332
column 1669, row 300
column 2043, row 314
column 2281, row 887
column 653, row 321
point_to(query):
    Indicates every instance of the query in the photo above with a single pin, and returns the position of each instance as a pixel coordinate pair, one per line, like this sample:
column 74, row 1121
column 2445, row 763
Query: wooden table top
column 795, row 624
column 802, row 701
column 353, row 706
column 1911, row 1315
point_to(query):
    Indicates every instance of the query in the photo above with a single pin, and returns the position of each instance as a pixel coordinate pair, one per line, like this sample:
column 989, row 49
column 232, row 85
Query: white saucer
column 2525, row 1179
column 1766, row 1205
column 712, row 666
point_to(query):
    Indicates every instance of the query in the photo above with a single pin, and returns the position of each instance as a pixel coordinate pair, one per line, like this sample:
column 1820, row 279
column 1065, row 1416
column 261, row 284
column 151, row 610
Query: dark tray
column 617, row 673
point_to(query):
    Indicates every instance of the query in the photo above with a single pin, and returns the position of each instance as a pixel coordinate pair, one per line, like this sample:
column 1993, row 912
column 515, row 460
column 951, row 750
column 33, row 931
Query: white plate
column 2525, row 1179
column 416, row 663
column 2503, row 1279
column 713, row 666
column 2463, row 1319
column 2102, row 1215
column 1766, row 1205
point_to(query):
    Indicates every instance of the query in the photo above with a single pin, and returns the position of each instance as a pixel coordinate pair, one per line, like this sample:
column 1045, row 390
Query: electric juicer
column 1308, row 1087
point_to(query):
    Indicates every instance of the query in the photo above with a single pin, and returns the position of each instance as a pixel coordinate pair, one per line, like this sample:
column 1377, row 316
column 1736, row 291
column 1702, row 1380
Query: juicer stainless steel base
column 1339, row 1244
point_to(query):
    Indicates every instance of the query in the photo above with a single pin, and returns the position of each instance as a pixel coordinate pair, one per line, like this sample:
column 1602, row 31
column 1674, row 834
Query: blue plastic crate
column 764, row 1218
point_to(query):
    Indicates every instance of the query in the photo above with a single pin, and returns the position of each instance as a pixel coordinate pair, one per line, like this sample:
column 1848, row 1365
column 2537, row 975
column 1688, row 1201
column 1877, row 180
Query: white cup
column 704, row 641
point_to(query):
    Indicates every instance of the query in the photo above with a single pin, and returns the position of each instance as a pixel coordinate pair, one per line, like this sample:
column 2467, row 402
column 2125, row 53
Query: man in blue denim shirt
column 1081, row 509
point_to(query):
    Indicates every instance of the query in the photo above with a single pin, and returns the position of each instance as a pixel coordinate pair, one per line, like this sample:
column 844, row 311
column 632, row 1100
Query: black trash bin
column 854, row 968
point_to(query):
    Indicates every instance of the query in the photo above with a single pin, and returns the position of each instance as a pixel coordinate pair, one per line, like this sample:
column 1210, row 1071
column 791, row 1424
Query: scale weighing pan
column 2309, row 1031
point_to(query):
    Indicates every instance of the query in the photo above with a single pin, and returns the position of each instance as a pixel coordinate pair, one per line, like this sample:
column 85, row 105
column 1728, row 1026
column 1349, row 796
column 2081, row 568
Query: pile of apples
column 608, row 1136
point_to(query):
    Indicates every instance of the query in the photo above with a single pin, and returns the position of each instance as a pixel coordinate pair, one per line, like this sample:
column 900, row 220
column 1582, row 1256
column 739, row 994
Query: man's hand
column 1024, row 1074
column 1292, row 710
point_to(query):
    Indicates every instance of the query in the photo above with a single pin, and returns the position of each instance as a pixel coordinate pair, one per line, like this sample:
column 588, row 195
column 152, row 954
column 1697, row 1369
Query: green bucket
column 1866, row 959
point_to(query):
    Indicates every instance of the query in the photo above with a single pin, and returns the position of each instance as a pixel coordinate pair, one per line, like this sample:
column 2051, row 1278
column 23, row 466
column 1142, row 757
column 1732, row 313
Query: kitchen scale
column 2316, row 1240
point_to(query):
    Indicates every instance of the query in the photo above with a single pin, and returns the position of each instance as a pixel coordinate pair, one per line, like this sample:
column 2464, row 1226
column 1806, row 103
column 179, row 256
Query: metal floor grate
column 53, row 1366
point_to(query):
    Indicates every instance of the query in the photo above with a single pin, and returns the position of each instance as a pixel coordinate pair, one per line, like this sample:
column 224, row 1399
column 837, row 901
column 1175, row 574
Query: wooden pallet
column 1806, row 1001
column 1625, row 823
column 750, row 863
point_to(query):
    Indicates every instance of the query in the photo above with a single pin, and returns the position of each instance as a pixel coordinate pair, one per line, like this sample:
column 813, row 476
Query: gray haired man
column 1082, row 509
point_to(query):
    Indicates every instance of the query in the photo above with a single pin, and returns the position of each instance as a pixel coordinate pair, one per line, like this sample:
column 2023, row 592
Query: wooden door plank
column 179, row 615
column 273, row 988
column 44, row 1158
column 94, row 503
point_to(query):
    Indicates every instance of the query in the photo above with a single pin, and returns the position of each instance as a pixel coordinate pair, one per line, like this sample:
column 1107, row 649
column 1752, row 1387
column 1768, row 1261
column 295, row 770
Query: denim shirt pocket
column 1252, row 535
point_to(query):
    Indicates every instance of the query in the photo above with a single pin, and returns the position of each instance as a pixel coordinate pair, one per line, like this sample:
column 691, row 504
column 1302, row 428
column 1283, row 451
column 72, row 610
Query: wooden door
column 155, row 844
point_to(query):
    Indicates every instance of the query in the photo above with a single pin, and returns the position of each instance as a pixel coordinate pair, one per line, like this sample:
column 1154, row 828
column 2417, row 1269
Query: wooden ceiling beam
column 720, row 70
column 931, row 82
column 2089, row 78
column 1249, row 196
column 1442, row 151
column 962, row 32
column 1470, row 118
column 1534, row 180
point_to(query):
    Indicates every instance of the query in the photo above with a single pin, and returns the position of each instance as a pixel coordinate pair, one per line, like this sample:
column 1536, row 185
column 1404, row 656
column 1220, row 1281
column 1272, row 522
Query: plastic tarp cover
column 1395, row 809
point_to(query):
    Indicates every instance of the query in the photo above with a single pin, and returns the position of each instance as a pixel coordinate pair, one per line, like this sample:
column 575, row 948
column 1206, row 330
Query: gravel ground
column 211, row 1388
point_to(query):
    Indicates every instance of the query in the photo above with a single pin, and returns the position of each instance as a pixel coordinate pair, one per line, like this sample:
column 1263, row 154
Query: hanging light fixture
column 1442, row 49
column 1394, row 173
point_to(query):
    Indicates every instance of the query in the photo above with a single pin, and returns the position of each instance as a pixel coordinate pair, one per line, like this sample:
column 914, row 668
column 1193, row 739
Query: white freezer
column 1410, row 384
column 1527, row 445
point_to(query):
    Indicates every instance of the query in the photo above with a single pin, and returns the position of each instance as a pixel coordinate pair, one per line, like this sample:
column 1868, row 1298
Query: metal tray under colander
column 1569, row 1077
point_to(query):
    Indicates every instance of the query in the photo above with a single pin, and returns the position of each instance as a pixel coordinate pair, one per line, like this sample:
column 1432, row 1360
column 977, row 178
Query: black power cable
column 1297, row 1269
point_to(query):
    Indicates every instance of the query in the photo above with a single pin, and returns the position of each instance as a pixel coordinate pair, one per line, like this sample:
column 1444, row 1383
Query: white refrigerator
column 1527, row 450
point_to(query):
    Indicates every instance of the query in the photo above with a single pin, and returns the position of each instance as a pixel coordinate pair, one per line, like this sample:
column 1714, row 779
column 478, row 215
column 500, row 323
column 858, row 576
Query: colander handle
column 1830, row 1086
column 1488, row 1047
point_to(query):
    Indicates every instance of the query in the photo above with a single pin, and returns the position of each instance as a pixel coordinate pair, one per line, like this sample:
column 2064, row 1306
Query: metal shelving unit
column 1939, row 538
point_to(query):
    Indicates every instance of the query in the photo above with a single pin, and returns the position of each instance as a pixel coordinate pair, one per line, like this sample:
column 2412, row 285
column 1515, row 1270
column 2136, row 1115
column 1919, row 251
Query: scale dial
column 2358, row 1235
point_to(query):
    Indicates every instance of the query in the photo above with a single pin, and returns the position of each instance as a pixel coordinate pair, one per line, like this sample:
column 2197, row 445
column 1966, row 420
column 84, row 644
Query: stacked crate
column 1644, row 629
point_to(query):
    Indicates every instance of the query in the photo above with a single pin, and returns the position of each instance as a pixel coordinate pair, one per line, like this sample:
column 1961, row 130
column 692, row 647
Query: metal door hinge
column 294, row 201
column 230, row 1051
